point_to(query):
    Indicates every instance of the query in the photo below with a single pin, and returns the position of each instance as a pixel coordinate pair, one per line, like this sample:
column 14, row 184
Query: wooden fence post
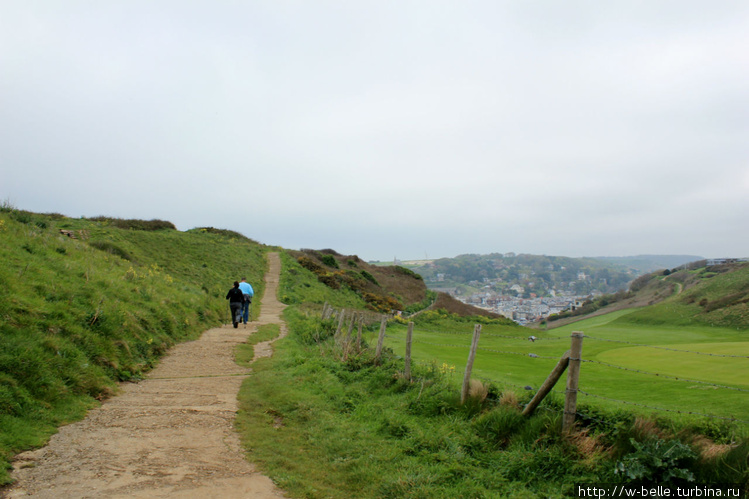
column 358, row 334
column 340, row 322
column 347, row 338
column 573, row 377
column 327, row 311
column 556, row 373
column 381, row 338
column 469, row 365
column 409, row 336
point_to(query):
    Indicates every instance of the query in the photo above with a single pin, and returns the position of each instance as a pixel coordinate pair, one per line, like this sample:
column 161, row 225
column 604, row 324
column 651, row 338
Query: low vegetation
column 88, row 303
column 327, row 424
column 383, row 289
column 695, row 295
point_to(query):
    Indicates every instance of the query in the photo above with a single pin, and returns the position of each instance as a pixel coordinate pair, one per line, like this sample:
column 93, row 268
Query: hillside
column 705, row 295
column 86, row 304
column 325, row 418
column 643, row 264
column 381, row 288
column 535, row 274
column 89, row 303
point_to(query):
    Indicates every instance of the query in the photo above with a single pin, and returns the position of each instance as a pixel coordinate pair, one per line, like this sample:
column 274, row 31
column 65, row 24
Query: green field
column 672, row 380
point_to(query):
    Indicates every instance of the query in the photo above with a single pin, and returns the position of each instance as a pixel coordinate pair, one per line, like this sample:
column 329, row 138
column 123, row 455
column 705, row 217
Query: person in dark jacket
column 235, row 298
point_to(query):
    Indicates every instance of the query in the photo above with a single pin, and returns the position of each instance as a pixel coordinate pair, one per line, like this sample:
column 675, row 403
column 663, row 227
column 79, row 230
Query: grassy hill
column 88, row 303
column 85, row 304
column 716, row 296
column 327, row 420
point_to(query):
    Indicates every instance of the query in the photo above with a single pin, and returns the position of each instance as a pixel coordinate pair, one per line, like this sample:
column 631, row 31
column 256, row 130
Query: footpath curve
column 170, row 435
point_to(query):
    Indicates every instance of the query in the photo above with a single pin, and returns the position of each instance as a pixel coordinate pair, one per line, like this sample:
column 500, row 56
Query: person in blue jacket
column 247, row 293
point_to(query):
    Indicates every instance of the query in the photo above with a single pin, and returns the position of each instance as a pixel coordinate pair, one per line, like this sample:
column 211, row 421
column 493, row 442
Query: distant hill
column 716, row 295
column 541, row 275
column 648, row 263
column 382, row 288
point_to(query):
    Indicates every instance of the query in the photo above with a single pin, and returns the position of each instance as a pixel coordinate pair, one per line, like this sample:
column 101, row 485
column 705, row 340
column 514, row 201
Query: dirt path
column 170, row 435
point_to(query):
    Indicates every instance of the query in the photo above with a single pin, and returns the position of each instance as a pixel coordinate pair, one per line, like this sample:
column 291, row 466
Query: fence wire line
column 671, row 349
column 495, row 335
column 531, row 355
column 693, row 413
column 668, row 376
column 587, row 416
column 468, row 333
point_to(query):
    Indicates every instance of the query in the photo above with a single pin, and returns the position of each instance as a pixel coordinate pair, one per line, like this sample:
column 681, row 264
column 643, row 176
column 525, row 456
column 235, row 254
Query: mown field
column 669, row 383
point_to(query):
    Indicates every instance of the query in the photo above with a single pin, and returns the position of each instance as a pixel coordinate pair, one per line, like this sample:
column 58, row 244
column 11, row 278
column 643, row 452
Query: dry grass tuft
column 708, row 449
column 509, row 399
column 647, row 428
column 477, row 390
column 589, row 447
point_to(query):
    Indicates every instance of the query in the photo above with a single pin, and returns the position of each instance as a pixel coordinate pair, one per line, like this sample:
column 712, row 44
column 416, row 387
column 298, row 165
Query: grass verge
column 322, row 427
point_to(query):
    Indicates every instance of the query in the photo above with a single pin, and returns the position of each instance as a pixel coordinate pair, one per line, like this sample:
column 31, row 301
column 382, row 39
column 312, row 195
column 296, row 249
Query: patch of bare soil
column 170, row 435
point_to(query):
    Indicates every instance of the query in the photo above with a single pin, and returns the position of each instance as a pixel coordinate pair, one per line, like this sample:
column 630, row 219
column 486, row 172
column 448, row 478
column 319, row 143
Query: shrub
column 330, row 261
column 379, row 303
column 369, row 277
column 135, row 224
column 408, row 272
column 657, row 461
column 329, row 280
column 310, row 264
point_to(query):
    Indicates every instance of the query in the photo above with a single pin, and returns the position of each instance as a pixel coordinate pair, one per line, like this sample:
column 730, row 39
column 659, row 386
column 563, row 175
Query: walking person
column 247, row 293
column 235, row 297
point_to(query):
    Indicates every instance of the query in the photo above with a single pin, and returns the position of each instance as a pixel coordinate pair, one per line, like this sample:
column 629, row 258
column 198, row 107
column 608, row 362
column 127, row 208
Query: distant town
column 515, row 307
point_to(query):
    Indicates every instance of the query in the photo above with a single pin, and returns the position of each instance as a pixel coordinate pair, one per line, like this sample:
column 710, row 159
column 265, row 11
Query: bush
column 408, row 272
column 658, row 462
column 369, row 277
column 310, row 264
column 330, row 261
column 383, row 304
column 135, row 224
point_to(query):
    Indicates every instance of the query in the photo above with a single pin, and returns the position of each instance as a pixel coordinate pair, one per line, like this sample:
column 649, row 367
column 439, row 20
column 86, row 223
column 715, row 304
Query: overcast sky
column 387, row 128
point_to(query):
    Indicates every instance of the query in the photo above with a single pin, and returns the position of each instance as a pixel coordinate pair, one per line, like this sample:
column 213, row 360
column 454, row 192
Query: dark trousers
column 236, row 311
column 246, row 308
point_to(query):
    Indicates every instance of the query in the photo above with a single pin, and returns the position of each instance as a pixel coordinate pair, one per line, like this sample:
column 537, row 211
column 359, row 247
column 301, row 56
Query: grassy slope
column 79, row 315
column 325, row 428
column 713, row 296
column 716, row 296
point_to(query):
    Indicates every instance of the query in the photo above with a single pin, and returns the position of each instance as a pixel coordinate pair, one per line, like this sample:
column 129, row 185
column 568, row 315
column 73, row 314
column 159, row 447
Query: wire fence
column 588, row 392
column 425, row 337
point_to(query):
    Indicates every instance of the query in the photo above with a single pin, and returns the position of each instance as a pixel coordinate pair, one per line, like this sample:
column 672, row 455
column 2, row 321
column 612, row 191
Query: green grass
column 245, row 352
column 694, row 391
column 78, row 315
column 321, row 427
